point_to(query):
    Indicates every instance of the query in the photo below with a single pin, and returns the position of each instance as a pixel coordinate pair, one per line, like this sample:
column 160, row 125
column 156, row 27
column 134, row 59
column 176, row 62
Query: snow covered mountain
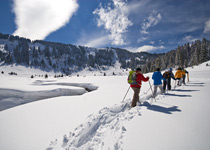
column 66, row 58
column 69, row 59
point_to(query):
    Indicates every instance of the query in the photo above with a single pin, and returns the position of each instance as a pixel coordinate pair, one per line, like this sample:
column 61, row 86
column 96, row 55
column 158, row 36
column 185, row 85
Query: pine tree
column 8, row 59
column 47, row 52
column 6, row 47
column 179, row 60
column 203, row 52
column 34, row 53
column 25, row 53
column 197, row 52
column 17, row 54
column 43, row 63
column 158, row 63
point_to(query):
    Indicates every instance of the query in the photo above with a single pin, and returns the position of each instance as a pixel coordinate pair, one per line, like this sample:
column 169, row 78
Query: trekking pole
column 151, row 90
column 126, row 93
column 147, row 91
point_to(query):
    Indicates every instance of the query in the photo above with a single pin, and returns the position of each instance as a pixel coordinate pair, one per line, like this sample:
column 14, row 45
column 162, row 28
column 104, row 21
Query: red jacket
column 139, row 78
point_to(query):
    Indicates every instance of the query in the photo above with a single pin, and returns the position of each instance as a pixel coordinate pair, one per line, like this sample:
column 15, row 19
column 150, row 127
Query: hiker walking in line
column 157, row 77
column 184, row 75
column 167, row 75
column 179, row 75
column 139, row 77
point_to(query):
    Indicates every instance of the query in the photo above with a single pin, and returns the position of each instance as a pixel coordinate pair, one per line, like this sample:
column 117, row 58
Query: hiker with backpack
column 167, row 75
column 134, row 79
column 184, row 75
column 157, row 77
column 179, row 76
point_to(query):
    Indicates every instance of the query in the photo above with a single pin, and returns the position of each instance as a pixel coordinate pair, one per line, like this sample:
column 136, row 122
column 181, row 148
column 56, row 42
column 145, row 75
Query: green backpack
column 132, row 77
column 166, row 75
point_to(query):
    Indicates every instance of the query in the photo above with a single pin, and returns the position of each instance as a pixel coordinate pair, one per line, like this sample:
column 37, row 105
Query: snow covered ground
column 62, row 114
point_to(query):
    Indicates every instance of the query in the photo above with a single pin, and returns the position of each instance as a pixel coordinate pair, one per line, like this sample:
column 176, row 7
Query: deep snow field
column 87, row 112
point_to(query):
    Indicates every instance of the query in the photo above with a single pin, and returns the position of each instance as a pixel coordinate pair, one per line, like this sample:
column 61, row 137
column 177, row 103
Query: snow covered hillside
column 66, row 58
column 100, row 119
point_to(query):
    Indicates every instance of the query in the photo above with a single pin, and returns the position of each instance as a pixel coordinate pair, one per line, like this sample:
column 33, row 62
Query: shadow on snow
column 195, row 84
column 179, row 95
column 179, row 90
column 167, row 110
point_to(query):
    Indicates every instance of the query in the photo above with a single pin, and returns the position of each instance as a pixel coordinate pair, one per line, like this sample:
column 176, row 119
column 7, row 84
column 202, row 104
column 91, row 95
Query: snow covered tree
column 203, row 52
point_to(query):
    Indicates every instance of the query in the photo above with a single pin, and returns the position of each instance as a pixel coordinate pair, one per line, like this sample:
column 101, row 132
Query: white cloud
column 152, row 42
column 150, row 48
column 142, row 39
column 161, row 42
column 115, row 21
column 153, row 19
column 207, row 27
column 97, row 42
column 189, row 38
column 35, row 19
column 93, row 39
column 138, row 5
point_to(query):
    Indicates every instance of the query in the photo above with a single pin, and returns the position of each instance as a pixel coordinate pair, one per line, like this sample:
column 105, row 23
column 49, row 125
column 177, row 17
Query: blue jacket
column 157, row 77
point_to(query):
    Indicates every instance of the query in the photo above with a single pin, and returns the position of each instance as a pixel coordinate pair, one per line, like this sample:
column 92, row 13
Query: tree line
column 183, row 56
column 67, row 58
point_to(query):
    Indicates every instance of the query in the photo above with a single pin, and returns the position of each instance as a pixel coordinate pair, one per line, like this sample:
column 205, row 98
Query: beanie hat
column 138, row 69
column 158, row 69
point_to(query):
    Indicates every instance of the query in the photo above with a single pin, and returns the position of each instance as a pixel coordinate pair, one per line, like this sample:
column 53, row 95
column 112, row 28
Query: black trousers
column 167, row 83
column 183, row 79
column 179, row 83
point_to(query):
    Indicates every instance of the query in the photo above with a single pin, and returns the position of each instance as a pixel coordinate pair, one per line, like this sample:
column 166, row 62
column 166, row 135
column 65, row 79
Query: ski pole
column 151, row 90
column 126, row 93
column 147, row 91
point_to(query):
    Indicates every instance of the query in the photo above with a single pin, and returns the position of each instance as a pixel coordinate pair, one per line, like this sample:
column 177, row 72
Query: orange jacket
column 178, row 74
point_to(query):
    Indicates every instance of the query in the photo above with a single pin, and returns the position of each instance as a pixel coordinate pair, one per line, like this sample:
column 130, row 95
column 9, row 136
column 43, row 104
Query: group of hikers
column 157, row 77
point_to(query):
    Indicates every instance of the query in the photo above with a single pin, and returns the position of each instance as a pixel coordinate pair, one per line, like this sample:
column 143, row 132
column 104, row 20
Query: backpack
column 166, row 75
column 132, row 77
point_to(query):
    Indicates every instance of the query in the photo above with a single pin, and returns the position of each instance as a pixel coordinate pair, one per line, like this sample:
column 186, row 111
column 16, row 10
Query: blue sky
column 137, row 25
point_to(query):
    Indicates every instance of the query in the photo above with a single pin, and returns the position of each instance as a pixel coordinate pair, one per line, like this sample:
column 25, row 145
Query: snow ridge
column 12, row 97
column 87, row 86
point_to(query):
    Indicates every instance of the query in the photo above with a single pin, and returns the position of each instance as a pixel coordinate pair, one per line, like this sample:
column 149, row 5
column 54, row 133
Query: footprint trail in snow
column 94, row 132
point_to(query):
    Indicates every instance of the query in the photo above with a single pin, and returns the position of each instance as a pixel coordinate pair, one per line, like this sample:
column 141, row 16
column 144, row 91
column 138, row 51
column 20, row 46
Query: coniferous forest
column 189, row 54
column 67, row 58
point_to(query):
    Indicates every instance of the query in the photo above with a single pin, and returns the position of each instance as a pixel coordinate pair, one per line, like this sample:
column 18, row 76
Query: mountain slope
column 66, row 58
